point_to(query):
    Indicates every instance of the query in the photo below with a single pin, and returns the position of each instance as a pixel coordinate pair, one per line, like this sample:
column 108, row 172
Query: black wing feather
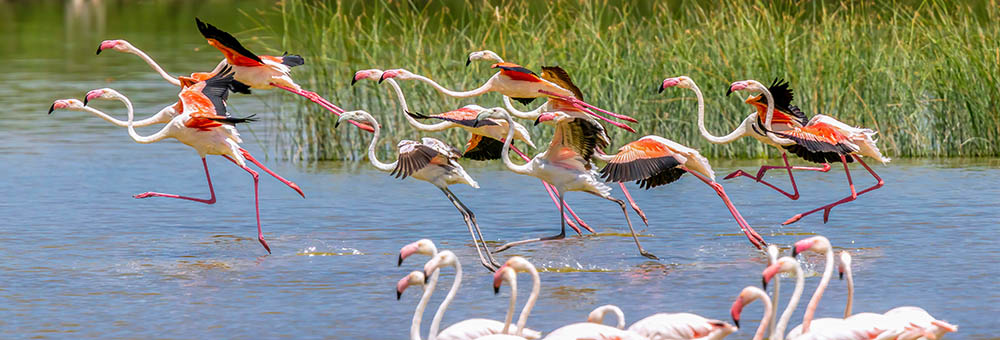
column 217, row 89
column 211, row 32
column 487, row 149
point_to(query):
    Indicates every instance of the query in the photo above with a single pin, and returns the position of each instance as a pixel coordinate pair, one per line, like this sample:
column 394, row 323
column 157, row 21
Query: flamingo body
column 664, row 326
column 477, row 327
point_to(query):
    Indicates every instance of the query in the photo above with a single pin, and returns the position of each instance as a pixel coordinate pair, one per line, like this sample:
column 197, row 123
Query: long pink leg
column 751, row 234
column 826, row 208
column 759, row 178
column 580, row 102
column 256, row 201
column 290, row 184
column 634, row 205
column 211, row 200
column 552, row 195
column 315, row 98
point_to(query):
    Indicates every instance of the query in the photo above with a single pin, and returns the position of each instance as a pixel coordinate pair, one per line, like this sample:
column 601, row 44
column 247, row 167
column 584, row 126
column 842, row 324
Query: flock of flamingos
column 200, row 120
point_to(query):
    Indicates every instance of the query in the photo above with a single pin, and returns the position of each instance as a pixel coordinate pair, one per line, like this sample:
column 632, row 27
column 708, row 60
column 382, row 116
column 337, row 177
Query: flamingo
column 566, row 165
column 818, row 244
column 485, row 142
column 204, row 126
column 785, row 265
column 749, row 295
column 772, row 256
column 821, row 139
column 597, row 315
column 163, row 116
column 752, row 126
column 469, row 328
column 652, row 161
column 516, row 82
column 663, row 326
column 263, row 72
column 417, row 278
column 429, row 160
column 508, row 273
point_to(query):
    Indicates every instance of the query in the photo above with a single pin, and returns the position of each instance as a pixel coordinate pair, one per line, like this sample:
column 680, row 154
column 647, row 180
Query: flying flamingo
column 516, row 82
column 485, row 141
column 566, row 165
column 822, row 139
column 204, row 126
column 597, row 315
column 652, row 161
column 749, row 295
column 469, row 328
column 508, row 273
column 429, row 160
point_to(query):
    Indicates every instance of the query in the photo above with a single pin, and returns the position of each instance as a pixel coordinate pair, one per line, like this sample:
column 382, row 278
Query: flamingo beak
column 729, row 91
column 399, row 295
column 98, row 50
column 337, row 124
column 52, row 108
column 659, row 89
column 354, row 80
column 382, row 78
column 468, row 61
column 400, row 263
column 538, row 120
column 735, row 311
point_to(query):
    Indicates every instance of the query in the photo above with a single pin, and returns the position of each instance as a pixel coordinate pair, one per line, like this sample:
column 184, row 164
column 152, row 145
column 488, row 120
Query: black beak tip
column 98, row 50
column 336, row 125
column 841, row 275
column 795, row 253
column 85, row 101
column 353, row 80
column 736, row 322
column 659, row 89
column 399, row 295
column 52, row 108
column 468, row 61
column 427, row 277
column 380, row 79
column 538, row 120
column 763, row 283
column 729, row 91
column 400, row 262
column 496, row 290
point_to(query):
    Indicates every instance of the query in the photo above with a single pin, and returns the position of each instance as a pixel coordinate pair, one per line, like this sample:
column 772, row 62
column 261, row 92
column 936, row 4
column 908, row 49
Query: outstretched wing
column 413, row 156
column 819, row 142
column 235, row 53
column 560, row 77
column 482, row 148
column 463, row 116
column 205, row 102
column 646, row 161
column 517, row 72
column 580, row 135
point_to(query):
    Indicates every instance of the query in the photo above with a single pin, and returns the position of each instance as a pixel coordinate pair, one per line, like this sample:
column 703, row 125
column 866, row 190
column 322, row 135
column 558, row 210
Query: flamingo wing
column 646, row 161
column 560, row 77
column 290, row 60
column 819, row 142
column 580, row 135
column 204, row 102
column 441, row 147
column 413, row 156
column 464, row 116
column 235, row 53
column 482, row 148
column 518, row 72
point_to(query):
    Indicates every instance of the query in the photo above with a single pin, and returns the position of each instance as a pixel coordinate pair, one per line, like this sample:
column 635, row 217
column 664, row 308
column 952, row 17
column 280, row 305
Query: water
column 82, row 259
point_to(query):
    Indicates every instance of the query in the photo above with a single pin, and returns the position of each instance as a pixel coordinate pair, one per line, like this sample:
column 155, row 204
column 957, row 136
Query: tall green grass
column 922, row 73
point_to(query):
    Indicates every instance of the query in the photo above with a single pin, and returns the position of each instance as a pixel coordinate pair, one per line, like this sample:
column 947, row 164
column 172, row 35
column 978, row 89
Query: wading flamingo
column 652, row 161
column 822, row 139
column 785, row 265
column 417, row 278
column 429, row 160
column 663, row 326
column 566, row 165
column 204, row 126
column 263, row 72
column 485, row 142
column 747, row 296
column 469, row 328
column 508, row 273
column 597, row 315
column 516, row 82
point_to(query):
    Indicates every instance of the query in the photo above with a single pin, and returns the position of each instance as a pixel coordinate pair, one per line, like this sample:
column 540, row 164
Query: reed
column 922, row 73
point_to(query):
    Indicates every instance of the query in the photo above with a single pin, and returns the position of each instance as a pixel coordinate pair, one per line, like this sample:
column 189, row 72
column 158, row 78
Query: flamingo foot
column 263, row 243
column 575, row 228
column 144, row 195
column 737, row 173
column 649, row 255
column 508, row 245
column 794, row 219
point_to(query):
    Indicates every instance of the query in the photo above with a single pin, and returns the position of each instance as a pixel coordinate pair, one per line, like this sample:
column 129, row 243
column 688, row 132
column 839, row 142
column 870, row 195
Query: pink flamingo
column 822, row 139
column 749, row 295
column 204, row 126
column 508, row 273
column 566, row 164
column 476, row 327
column 432, row 161
column 486, row 138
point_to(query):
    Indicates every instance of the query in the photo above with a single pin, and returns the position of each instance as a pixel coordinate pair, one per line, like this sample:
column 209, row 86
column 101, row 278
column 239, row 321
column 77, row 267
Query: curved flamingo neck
column 850, row 291
column 536, row 287
column 814, row 301
column 372, row 157
column 159, row 135
column 505, row 152
column 156, row 67
column 772, row 256
column 767, row 121
column 533, row 114
column 734, row 135
column 510, row 308
column 457, row 94
column 415, row 123
column 436, row 322
column 778, row 333
column 418, row 314
column 768, row 315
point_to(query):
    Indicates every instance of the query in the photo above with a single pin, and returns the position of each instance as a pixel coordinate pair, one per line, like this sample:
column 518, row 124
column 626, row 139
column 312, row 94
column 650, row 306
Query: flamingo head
column 483, row 55
column 505, row 273
column 845, row 263
column 398, row 73
column 546, row 117
column 422, row 247
column 491, row 113
column 747, row 296
column 360, row 116
column 783, row 265
column 372, row 74
column 415, row 278
column 746, row 85
column 817, row 244
column 520, row 264
column 443, row 259
column 69, row 104
column 118, row 45
column 105, row 93
column 682, row 82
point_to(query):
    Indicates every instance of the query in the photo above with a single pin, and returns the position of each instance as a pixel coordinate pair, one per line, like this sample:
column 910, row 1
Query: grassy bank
column 922, row 73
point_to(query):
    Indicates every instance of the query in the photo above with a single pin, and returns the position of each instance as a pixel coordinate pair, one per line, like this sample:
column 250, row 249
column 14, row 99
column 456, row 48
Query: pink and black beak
column 498, row 279
column 106, row 45
column 52, row 108
column 736, row 310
